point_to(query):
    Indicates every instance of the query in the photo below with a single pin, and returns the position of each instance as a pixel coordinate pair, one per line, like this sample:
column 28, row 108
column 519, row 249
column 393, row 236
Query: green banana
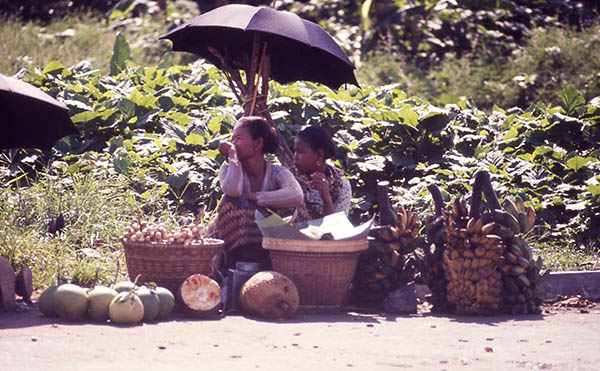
column 511, row 285
column 522, row 261
column 515, row 270
column 508, row 220
column 523, row 280
column 544, row 276
column 515, row 250
column 527, row 251
column 502, row 231
column 510, row 206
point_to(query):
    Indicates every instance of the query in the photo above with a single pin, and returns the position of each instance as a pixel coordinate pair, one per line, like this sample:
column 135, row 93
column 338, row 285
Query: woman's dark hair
column 260, row 128
column 318, row 138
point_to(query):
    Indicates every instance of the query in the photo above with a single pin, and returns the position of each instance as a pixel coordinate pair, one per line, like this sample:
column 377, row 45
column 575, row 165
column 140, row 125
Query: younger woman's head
column 312, row 146
column 252, row 134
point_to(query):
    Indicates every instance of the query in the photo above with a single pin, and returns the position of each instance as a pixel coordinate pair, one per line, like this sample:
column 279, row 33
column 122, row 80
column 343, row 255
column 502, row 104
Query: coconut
column 269, row 294
column 126, row 308
column 200, row 294
column 167, row 301
column 124, row 286
column 46, row 302
column 151, row 303
column 70, row 302
column 99, row 300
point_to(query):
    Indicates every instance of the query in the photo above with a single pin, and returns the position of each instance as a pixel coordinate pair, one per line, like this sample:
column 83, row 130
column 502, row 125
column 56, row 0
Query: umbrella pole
column 260, row 70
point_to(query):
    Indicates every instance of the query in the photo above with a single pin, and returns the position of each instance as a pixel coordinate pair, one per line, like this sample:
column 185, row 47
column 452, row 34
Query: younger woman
column 325, row 189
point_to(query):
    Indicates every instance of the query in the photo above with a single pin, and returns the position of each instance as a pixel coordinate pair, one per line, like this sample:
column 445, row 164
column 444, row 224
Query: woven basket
column 321, row 270
column 168, row 265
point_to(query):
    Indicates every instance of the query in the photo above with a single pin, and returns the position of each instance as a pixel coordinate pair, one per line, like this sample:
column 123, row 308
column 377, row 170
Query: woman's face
column 245, row 145
column 305, row 158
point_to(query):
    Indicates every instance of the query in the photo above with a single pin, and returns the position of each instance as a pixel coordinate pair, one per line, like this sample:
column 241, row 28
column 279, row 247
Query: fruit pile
column 160, row 233
column 486, row 264
column 388, row 263
column 522, row 274
column 124, row 303
column 471, row 261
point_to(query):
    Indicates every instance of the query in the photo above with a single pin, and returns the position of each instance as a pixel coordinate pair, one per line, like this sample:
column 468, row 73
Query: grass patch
column 96, row 209
column 77, row 37
column 552, row 58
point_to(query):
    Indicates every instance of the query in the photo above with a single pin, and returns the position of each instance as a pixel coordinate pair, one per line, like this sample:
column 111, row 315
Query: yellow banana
column 530, row 211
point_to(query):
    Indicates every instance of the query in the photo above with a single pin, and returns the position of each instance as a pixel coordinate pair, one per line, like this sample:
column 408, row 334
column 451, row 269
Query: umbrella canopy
column 30, row 118
column 298, row 49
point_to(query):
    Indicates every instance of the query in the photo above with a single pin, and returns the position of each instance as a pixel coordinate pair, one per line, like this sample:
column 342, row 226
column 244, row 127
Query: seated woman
column 325, row 189
column 250, row 182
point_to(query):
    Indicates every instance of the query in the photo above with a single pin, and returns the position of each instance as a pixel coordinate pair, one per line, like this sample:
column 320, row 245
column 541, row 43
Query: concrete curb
column 584, row 283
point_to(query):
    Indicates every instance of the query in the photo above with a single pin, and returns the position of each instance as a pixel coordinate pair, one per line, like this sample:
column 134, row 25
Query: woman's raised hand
column 319, row 182
column 225, row 147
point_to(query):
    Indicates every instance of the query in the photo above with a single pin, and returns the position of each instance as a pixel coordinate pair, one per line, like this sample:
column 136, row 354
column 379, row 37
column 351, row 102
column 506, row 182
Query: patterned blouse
column 314, row 206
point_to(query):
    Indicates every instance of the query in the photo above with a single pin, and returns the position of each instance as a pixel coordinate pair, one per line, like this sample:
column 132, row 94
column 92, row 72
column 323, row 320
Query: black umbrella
column 298, row 49
column 30, row 118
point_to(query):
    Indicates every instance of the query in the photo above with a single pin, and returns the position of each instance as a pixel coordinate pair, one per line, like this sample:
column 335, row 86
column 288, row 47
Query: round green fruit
column 167, row 301
column 70, row 302
column 126, row 308
column 46, row 302
column 151, row 303
column 124, row 286
column 99, row 301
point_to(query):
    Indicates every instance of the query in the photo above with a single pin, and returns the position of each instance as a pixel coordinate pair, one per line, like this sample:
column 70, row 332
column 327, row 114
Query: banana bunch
column 522, row 274
column 516, row 218
column 389, row 262
column 431, row 271
column 471, row 258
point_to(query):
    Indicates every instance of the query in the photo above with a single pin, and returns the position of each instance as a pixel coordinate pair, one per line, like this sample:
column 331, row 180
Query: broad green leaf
column 571, row 101
column 53, row 67
column 510, row 134
column 121, row 54
column 577, row 162
column 194, row 139
column 594, row 190
column 410, row 117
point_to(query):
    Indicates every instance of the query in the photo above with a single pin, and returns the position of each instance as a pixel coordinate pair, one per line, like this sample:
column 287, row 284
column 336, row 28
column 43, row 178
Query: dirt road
column 558, row 340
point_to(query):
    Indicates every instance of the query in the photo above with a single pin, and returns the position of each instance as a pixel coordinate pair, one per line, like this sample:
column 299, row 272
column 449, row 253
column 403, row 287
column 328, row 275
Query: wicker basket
column 169, row 265
column 321, row 270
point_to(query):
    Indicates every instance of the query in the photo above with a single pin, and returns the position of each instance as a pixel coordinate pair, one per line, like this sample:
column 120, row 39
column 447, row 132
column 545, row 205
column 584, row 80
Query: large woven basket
column 169, row 265
column 321, row 270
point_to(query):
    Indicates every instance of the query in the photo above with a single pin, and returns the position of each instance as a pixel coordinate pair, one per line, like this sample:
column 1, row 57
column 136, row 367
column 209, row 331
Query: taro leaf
column 371, row 163
column 165, row 103
column 55, row 68
column 121, row 54
column 410, row 117
column 194, row 139
column 179, row 177
column 594, row 189
column 127, row 107
column 577, row 162
column 571, row 101
column 122, row 162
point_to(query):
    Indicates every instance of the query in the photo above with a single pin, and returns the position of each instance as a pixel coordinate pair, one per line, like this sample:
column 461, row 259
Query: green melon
column 167, row 301
column 70, row 302
column 99, row 301
column 46, row 302
column 126, row 308
column 151, row 303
